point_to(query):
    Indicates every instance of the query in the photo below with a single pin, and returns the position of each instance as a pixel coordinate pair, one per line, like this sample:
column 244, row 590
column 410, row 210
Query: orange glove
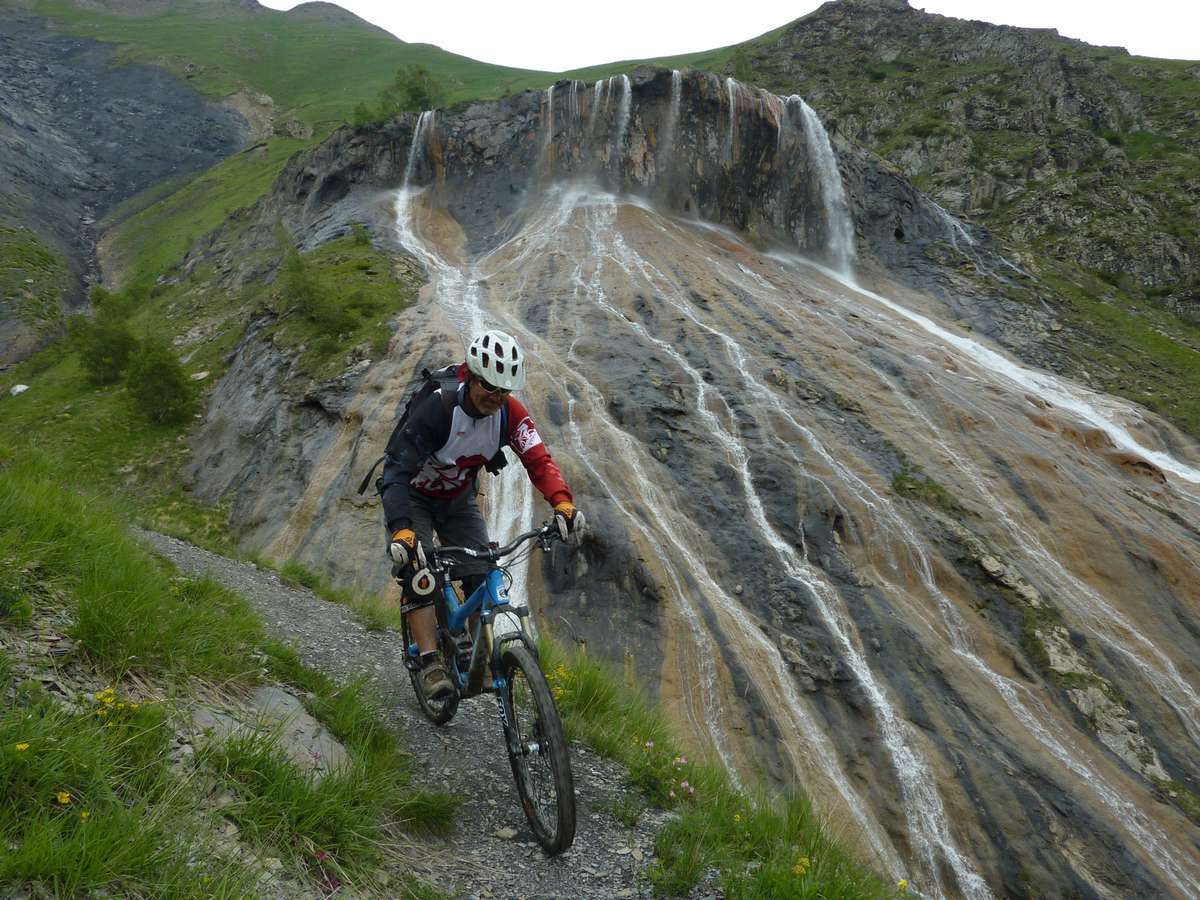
column 402, row 546
column 568, row 518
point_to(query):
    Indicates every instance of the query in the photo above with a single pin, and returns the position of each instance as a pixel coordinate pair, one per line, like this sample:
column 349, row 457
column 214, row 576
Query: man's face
column 484, row 398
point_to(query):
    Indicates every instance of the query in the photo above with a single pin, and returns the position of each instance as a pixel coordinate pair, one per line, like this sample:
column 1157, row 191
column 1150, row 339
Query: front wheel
column 537, row 750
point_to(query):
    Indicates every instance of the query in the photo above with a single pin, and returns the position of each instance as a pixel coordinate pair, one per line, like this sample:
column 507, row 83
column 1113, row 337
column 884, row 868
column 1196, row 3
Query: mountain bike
column 472, row 650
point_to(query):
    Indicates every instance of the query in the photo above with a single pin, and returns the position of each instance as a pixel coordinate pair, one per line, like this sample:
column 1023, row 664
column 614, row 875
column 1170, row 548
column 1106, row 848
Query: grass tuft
column 87, row 802
column 128, row 610
column 762, row 846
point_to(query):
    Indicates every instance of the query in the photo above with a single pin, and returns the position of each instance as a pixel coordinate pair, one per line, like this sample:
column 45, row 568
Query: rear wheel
column 537, row 750
column 439, row 712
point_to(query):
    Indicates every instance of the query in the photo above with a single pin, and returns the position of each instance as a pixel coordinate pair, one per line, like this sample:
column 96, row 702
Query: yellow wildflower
column 84, row 815
column 133, row 706
column 737, row 817
column 801, row 866
column 24, row 745
column 63, row 797
column 902, row 884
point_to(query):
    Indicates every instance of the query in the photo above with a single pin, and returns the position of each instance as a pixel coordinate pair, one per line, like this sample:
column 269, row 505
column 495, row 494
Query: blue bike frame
column 488, row 599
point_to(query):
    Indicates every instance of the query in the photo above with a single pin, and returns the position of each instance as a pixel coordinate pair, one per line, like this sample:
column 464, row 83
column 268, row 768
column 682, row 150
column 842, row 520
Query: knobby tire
column 544, row 781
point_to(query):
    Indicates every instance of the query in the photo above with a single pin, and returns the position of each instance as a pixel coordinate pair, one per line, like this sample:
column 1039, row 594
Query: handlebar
column 546, row 533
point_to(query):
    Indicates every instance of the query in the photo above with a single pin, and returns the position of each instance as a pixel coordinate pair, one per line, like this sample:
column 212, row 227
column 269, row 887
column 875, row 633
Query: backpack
column 445, row 377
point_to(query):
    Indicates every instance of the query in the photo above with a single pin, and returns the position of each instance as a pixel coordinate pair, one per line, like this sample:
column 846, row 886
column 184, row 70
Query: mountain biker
column 430, row 471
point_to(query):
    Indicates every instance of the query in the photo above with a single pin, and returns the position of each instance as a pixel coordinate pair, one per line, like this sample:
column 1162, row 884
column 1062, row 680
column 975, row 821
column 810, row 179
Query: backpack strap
column 449, row 398
column 362, row 488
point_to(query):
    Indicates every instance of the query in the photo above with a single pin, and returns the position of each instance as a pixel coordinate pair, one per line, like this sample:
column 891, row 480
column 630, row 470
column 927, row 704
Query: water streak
column 833, row 195
column 667, row 151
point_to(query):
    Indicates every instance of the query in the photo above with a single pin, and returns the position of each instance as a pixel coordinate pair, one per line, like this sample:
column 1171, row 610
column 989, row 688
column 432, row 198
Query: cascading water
column 622, row 123
column 587, row 280
column 833, row 194
column 668, row 139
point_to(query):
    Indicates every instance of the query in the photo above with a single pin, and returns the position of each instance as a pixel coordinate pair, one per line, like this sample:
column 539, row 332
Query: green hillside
column 316, row 61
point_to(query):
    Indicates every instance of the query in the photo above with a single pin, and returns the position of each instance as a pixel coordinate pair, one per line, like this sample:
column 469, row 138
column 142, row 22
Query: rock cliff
column 850, row 540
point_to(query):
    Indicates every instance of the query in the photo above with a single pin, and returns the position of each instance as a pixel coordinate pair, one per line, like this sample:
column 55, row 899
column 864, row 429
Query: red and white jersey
column 442, row 447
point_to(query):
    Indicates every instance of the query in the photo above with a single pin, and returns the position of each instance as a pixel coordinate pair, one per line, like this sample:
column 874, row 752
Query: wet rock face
column 81, row 135
column 695, row 144
column 848, row 544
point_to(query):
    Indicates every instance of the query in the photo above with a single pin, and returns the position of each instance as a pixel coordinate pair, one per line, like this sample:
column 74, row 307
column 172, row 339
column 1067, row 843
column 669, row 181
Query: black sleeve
column 427, row 428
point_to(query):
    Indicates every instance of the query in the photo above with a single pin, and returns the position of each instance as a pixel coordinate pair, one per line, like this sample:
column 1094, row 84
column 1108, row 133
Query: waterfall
column 597, row 96
column 731, row 90
column 417, row 143
column 833, row 196
column 622, row 125
column 548, row 125
column 458, row 294
column 667, row 147
column 589, row 255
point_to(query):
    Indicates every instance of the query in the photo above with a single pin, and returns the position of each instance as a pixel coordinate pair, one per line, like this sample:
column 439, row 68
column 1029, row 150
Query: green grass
column 762, row 846
column 87, row 803
column 1187, row 800
column 103, row 442
column 129, row 611
column 337, row 826
column 315, row 71
column 916, row 485
column 33, row 277
column 62, row 550
column 354, row 288
column 153, row 240
column 104, row 447
column 1149, row 354
column 374, row 611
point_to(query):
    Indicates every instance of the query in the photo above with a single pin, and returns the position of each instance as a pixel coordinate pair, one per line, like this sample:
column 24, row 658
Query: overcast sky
column 556, row 36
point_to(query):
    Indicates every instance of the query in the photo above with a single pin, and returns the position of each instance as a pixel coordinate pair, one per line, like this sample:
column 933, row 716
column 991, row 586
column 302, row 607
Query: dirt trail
column 493, row 854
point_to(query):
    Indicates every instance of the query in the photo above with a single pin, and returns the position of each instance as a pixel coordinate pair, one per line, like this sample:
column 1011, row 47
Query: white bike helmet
column 495, row 357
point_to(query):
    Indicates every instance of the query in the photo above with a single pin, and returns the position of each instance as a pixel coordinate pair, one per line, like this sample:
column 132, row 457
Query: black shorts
column 456, row 522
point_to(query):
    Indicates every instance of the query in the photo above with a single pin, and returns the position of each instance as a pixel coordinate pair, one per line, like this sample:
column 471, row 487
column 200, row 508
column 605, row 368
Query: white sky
column 556, row 36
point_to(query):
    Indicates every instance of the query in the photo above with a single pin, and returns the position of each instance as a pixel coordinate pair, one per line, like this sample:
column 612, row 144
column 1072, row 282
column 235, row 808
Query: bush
column 743, row 70
column 414, row 89
column 304, row 288
column 363, row 115
column 103, row 341
column 158, row 384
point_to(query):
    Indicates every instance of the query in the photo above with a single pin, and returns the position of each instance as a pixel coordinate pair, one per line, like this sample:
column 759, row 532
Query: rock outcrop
column 847, row 540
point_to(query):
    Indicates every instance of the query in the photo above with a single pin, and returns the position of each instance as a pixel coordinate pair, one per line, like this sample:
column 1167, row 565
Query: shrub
column 103, row 341
column 158, row 384
column 363, row 115
column 412, row 90
column 303, row 287
column 742, row 69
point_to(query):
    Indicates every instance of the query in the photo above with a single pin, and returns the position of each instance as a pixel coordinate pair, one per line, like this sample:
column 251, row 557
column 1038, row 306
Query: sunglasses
column 490, row 389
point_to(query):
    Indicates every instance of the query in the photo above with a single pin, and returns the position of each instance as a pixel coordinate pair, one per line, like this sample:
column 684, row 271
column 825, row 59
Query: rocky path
column 493, row 854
